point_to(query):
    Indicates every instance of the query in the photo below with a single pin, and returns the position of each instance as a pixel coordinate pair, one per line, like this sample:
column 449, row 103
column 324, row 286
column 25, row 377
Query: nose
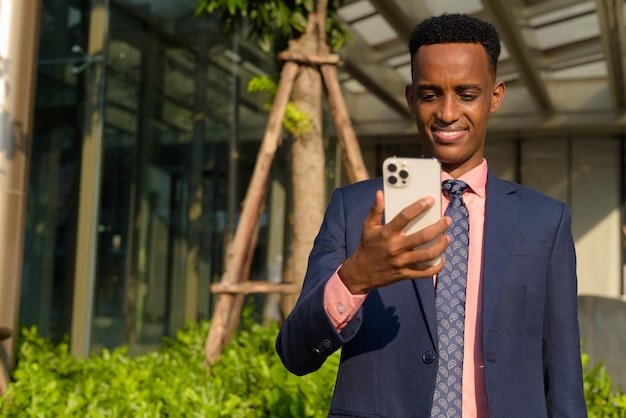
column 448, row 111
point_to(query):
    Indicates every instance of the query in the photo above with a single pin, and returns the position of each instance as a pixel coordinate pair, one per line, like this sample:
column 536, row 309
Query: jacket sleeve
column 562, row 356
column 308, row 336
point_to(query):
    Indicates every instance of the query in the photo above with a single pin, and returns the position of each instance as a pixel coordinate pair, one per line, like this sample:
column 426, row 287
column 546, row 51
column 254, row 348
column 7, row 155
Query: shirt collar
column 476, row 178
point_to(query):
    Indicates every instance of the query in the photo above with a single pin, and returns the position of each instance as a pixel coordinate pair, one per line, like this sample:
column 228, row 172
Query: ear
column 498, row 94
column 410, row 98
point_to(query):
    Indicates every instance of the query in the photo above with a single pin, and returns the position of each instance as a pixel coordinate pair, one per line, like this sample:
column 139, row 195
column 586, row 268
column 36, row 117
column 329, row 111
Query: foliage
column 603, row 401
column 267, row 17
column 247, row 381
column 295, row 120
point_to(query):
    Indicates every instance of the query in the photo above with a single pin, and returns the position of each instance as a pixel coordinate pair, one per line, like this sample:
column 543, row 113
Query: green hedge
column 247, row 381
column 603, row 400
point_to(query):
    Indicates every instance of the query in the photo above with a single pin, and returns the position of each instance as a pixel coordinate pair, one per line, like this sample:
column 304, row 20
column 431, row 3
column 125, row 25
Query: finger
column 428, row 233
column 424, row 254
column 435, row 249
column 411, row 212
column 427, row 271
column 422, row 270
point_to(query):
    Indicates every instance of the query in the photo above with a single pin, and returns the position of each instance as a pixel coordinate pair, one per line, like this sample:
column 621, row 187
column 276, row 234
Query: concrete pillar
column 90, row 182
column 19, row 40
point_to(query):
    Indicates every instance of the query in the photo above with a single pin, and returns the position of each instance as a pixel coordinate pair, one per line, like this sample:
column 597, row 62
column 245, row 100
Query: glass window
column 52, row 204
column 181, row 135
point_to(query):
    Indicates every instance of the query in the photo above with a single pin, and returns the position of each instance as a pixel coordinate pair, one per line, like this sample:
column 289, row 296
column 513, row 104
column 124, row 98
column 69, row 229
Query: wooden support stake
column 250, row 214
column 348, row 142
column 5, row 333
column 4, row 378
column 237, row 306
column 256, row 286
column 330, row 59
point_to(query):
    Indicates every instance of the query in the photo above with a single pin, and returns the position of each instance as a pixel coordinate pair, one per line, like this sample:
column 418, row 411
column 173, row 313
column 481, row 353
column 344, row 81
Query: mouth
column 448, row 135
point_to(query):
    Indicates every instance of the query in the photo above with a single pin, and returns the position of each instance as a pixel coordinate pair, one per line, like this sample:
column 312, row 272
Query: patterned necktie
column 450, row 306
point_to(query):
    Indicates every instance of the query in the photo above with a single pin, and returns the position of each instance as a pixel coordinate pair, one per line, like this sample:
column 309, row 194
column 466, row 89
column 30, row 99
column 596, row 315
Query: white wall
column 596, row 215
column 584, row 173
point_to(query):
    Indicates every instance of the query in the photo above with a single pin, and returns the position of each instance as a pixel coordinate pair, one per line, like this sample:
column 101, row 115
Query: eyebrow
column 469, row 87
column 460, row 87
column 428, row 87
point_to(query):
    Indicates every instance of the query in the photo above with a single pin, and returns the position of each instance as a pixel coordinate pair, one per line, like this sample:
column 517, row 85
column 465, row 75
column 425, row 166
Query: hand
column 386, row 255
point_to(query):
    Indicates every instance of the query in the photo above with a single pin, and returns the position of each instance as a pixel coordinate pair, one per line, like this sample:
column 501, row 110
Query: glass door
column 66, row 106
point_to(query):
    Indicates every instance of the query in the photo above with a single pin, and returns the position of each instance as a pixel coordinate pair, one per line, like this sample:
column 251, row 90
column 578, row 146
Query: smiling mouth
column 447, row 136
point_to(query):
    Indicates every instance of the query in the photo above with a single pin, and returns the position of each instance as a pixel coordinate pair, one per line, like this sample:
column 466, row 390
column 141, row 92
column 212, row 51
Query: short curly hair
column 457, row 28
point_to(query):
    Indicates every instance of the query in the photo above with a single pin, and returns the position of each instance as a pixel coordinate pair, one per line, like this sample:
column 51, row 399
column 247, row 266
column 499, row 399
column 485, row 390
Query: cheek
column 479, row 115
column 423, row 115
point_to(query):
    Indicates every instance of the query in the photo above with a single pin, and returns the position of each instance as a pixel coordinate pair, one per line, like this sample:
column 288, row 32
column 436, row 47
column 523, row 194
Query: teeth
column 449, row 133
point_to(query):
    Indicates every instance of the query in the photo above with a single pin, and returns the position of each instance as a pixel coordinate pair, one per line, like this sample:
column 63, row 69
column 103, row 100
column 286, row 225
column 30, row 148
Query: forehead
column 452, row 61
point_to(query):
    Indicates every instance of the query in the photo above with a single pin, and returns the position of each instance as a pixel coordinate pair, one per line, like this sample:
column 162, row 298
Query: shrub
column 603, row 401
column 247, row 381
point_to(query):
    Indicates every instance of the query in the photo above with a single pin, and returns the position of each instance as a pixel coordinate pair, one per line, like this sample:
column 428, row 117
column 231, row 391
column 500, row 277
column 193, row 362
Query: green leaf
column 298, row 21
column 309, row 5
column 267, row 17
column 234, row 6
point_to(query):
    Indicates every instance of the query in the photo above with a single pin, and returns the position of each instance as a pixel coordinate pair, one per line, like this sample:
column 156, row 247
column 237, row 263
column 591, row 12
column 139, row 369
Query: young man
column 514, row 329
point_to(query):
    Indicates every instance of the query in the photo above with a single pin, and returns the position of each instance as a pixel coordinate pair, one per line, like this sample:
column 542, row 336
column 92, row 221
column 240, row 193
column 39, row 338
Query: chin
column 447, row 157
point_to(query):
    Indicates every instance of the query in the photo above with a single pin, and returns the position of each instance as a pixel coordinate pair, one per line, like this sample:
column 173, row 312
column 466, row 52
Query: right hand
column 386, row 255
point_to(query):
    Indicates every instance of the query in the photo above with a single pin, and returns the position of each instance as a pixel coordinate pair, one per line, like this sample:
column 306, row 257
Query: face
column 452, row 95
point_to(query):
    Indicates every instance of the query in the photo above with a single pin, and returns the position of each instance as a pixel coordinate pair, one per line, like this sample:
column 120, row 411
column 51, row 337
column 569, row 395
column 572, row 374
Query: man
column 367, row 290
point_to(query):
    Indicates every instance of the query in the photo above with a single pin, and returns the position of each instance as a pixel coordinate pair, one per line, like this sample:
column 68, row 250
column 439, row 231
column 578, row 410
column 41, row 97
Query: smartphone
column 406, row 180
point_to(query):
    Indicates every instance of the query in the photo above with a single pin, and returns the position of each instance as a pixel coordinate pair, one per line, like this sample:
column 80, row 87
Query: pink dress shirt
column 341, row 305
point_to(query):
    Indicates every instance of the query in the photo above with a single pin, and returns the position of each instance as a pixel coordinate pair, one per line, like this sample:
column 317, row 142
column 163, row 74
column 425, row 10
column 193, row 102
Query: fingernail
column 429, row 200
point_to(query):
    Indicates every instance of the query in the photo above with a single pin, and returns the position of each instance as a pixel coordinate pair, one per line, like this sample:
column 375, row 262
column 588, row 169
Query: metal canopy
column 563, row 62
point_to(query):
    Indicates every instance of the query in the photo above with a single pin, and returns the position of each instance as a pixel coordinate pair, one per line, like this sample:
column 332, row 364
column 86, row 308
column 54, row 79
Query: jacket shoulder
column 361, row 188
column 526, row 194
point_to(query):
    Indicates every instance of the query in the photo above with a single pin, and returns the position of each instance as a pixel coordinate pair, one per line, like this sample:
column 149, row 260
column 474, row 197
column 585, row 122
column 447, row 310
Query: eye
column 467, row 97
column 428, row 97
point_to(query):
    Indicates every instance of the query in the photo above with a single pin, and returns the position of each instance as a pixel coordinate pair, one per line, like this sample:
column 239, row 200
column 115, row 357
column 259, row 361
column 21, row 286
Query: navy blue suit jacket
column 530, row 338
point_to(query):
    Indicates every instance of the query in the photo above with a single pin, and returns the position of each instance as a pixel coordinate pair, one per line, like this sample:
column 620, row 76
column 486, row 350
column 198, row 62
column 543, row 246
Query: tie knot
column 454, row 187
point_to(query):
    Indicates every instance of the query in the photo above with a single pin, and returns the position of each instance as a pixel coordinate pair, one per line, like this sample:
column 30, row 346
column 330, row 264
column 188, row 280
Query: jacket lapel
column 501, row 217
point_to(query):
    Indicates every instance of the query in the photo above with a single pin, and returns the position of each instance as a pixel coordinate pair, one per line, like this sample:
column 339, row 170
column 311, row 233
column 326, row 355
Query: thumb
column 375, row 215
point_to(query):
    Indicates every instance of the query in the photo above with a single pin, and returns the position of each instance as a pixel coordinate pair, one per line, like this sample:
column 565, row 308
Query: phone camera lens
column 403, row 174
column 392, row 167
column 392, row 179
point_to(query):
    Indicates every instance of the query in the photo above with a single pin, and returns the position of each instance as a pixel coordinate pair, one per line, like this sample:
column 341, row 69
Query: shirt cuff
column 340, row 304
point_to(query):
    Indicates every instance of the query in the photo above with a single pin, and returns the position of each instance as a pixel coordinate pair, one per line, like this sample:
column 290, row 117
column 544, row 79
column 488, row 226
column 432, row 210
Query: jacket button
column 323, row 346
column 429, row 356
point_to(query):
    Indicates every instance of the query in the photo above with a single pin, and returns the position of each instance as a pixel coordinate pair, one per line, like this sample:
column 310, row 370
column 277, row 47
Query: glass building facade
column 163, row 94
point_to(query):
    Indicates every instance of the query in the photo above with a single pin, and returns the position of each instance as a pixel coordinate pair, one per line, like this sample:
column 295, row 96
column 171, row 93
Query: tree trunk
column 307, row 163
